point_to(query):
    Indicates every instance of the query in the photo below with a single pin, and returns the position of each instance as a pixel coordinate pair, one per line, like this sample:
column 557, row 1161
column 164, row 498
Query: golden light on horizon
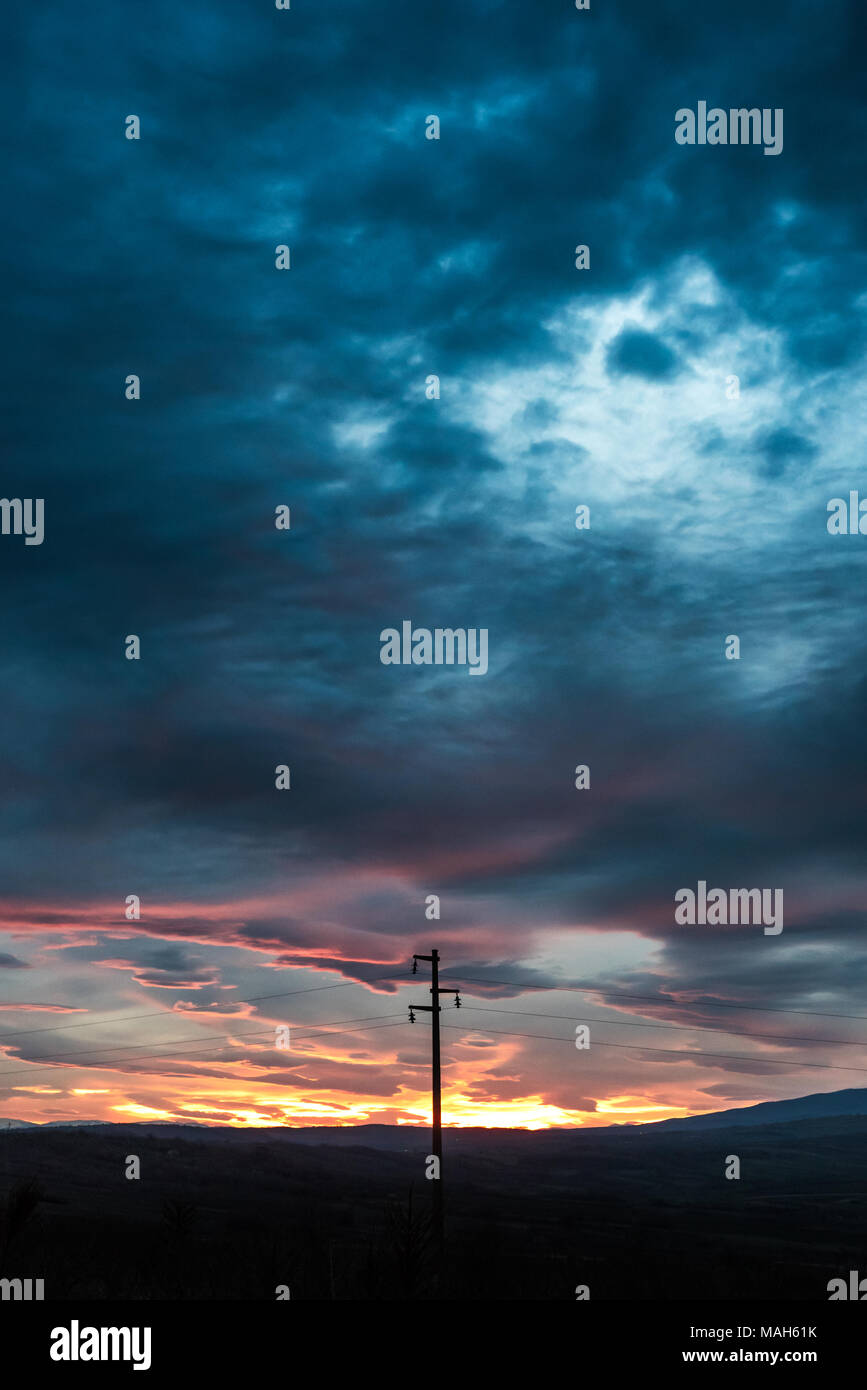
column 239, row 1097
column 639, row 1105
column 529, row 1112
column 145, row 1112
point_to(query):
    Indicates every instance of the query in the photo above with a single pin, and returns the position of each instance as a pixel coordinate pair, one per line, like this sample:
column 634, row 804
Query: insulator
column 414, row 966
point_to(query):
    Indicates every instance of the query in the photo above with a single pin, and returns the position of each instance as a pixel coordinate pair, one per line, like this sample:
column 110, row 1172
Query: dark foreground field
column 631, row 1212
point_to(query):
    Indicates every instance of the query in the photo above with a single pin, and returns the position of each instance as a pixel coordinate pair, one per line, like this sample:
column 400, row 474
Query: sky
column 609, row 387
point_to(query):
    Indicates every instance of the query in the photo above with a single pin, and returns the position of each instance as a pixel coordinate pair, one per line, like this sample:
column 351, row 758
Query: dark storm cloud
column 168, row 968
column 307, row 388
column 641, row 354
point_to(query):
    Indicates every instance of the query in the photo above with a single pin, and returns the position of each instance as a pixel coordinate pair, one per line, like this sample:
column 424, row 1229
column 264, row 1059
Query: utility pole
column 436, row 1091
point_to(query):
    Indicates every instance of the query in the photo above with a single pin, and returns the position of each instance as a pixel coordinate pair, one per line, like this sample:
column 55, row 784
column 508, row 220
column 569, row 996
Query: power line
column 673, row 1051
column 675, row 1027
column 328, row 1030
column 338, row 1026
column 161, row 1013
column 522, row 985
column 655, row 998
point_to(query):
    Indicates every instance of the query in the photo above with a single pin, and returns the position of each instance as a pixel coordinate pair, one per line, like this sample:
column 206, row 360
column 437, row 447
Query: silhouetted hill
column 851, row 1102
column 634, row 1211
